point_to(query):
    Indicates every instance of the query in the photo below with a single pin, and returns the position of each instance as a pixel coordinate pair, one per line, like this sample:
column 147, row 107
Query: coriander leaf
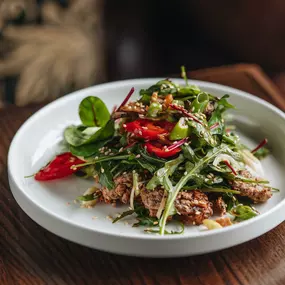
column 93, row 112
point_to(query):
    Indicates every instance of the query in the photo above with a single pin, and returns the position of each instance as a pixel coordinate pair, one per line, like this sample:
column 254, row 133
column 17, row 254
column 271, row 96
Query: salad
column 169, row 155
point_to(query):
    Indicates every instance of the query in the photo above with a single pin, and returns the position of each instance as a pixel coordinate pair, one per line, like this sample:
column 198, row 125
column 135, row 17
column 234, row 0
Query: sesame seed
column 185, row 173
column 124, row 125
column 138, row 156
column 155, row 223
column 96, row 157
column 121, row 149
column 102, row 170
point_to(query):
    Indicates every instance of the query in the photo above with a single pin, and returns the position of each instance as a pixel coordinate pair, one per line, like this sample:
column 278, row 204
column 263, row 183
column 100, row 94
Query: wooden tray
column 246, row 77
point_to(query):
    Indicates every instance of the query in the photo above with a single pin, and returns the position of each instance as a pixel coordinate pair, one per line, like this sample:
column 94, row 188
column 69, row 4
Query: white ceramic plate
column 51, row 204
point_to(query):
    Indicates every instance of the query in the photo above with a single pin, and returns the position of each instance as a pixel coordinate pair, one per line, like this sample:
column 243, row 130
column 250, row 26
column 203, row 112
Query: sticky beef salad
column 168, row 155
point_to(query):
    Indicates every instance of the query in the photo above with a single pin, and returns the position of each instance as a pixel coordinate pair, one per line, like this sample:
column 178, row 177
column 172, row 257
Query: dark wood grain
column 30, row 255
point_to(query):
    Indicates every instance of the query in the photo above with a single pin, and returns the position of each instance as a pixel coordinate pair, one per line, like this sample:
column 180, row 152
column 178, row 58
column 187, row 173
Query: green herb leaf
column 203, row 133
column 146, row 165
column 222, row 106
column 184, row 179
column 242, row 212
column 105, row 176
column 86, row 198
column 163, row 87
column 78, row 135
column 87, row 150
column 166, row 232
column 123, row 215
column 93, row 112
column 200, row 103
column 261, row 153
column 167, row 170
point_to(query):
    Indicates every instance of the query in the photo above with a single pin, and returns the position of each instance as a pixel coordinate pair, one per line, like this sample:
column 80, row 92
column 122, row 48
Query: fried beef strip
column 256, row 192
column 121, row 191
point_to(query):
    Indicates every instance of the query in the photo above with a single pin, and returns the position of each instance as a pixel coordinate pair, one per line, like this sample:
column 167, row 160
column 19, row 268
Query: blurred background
column 50, row 48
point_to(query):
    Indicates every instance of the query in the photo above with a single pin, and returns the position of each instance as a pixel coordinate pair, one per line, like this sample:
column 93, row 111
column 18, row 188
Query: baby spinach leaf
column 75, row 136
column 87, row 150
column 93, row 112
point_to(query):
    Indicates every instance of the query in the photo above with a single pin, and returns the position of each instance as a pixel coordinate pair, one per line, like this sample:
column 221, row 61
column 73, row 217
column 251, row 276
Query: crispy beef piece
column 256, row 192
column 122, row 190
column 219, row 206
column 151, row 199
column 193, row 206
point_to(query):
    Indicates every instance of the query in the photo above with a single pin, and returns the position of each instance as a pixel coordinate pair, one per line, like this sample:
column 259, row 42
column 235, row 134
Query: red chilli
column 262, row 143
column 185, row 112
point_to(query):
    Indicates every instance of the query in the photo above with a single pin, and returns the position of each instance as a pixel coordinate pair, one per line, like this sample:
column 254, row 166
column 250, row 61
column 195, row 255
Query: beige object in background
column 63, row 54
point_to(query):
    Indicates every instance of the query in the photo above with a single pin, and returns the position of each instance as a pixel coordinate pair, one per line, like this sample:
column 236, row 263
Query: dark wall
column 149, row 38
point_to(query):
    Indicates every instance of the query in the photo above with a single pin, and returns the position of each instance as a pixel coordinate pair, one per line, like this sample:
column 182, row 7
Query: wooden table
column 30, row 255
